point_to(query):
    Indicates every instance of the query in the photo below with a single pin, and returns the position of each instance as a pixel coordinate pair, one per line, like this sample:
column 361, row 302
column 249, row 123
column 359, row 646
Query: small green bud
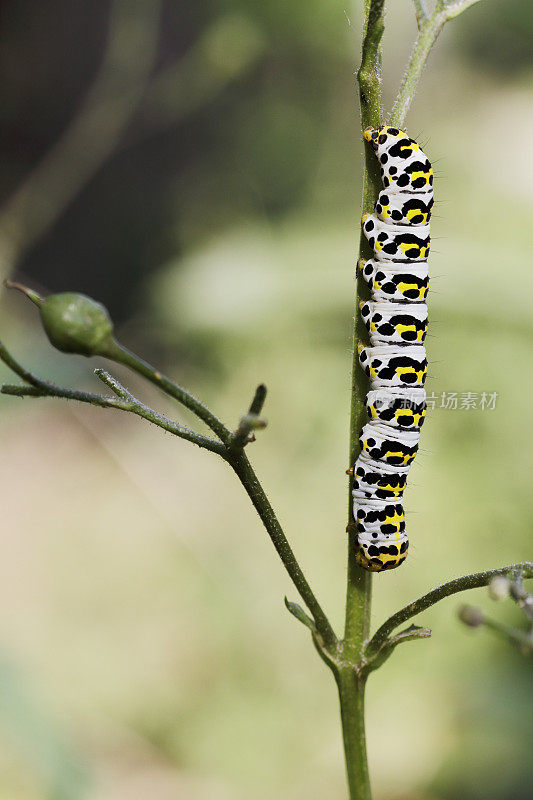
column 472, row 616
column 74, row 323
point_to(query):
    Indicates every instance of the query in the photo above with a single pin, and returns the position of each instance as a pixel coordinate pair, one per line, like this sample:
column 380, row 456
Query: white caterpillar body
column 394, row 323
column 396, row 319
column 396, row 281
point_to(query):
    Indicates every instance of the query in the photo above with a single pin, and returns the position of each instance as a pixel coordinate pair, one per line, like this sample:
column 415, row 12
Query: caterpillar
column 396, row 319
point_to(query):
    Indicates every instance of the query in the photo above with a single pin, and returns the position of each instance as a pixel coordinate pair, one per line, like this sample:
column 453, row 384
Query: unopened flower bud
column 74, row 323
column 471, row 616
column 499, row 587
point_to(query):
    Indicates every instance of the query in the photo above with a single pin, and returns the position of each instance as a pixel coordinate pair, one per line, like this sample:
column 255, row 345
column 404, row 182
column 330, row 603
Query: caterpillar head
column 401, row 159
column 386, row 137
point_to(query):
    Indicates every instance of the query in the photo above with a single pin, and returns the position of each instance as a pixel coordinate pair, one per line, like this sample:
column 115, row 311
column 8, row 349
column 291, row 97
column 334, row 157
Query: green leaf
column 298, row 612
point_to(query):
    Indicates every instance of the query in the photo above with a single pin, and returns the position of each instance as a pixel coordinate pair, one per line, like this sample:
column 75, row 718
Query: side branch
column 124, row 401
column 429, row 29
column 261, row 503
column 474, row 617
column 372, row 662
column 116, row 352
column 77, row 324
column 421, row 12
column 251, row 421
column 473, row 581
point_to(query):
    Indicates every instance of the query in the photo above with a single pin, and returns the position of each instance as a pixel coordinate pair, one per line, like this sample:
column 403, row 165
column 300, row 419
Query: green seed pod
column 75, row 323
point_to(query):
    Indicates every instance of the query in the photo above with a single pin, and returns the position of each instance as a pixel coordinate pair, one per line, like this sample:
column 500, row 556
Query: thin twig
column 522, row 598
column 261, row 503
column 410, row 634
column 116, row 352
column 473, row 581
column 429, row 31
column 421, row 12
column 520, row 639
column 474, row 617
column 251, row 421
column 115, row 386
column 124, row 401
column 454, row 7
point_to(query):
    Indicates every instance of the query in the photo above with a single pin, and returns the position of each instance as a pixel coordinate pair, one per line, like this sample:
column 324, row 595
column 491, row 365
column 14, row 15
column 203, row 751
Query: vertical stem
column 359, row 585
column 352, row 703
column 358, row 595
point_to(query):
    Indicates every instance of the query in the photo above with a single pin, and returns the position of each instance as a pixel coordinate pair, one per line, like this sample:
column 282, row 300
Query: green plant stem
column 359, row 582
column 244, row 471
column 473, row 581
column 250, row 421
column 421, row 12
column 325, row 637
column 429, row 29
column 520, row 639
column 426, row 38
column 358, row 595
column 352, row 704
column 522, row 598
column 124, row 401
column 120, row 354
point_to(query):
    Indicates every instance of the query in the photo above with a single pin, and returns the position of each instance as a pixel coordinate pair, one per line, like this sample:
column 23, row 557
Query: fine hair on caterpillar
column 396, row 318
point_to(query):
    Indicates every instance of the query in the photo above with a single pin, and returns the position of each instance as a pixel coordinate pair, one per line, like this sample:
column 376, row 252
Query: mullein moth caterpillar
column 396, row 319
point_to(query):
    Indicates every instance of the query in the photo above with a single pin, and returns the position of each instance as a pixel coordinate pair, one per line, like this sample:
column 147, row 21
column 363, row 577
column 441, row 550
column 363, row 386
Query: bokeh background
column 200, row 174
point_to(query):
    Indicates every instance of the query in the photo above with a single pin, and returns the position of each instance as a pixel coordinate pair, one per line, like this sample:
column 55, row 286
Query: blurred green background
column 145, row 650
